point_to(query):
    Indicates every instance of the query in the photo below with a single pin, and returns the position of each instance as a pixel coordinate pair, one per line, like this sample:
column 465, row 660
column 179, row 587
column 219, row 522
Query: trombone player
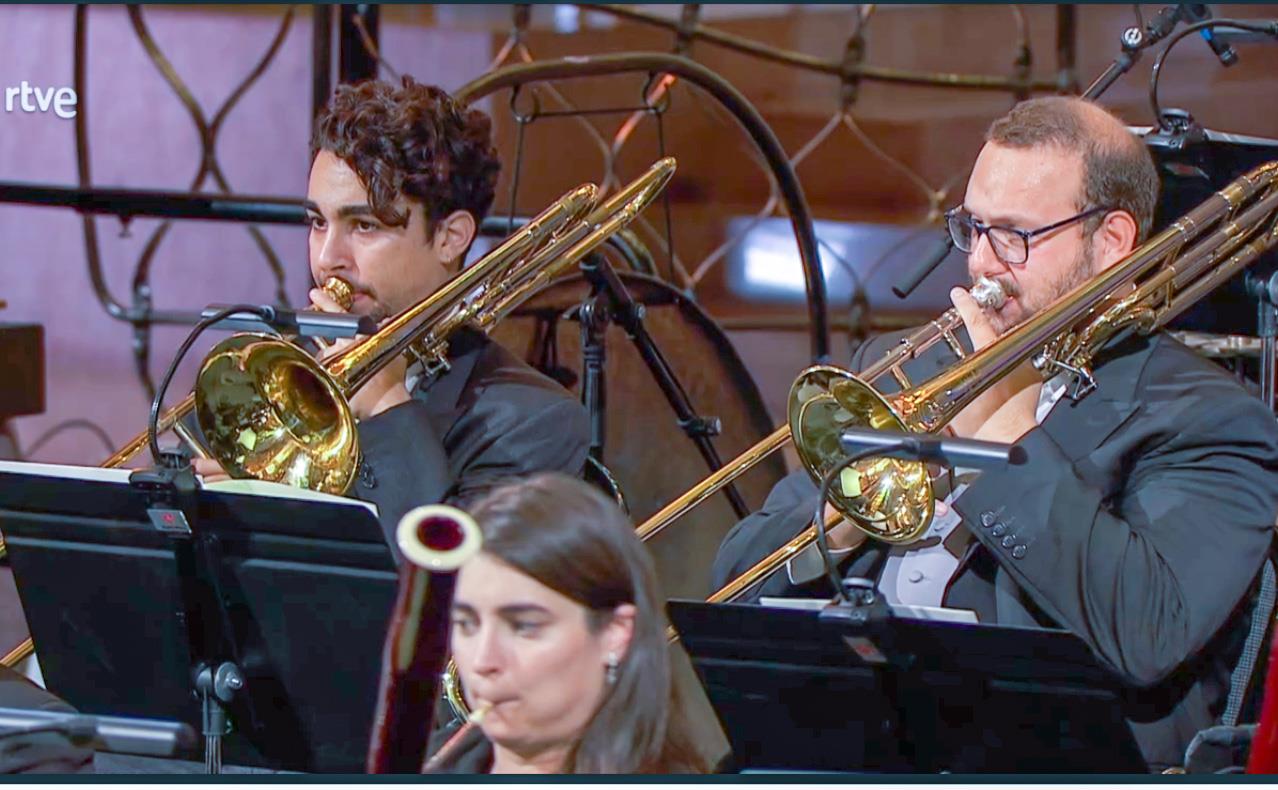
column 400, row 178
column 1146, row 509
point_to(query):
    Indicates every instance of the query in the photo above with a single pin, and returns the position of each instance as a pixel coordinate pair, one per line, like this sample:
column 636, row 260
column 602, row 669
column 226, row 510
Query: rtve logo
column 30, row 99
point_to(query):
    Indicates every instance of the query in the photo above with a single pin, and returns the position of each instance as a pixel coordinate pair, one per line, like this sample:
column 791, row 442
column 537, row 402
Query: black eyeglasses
column 1011, row 245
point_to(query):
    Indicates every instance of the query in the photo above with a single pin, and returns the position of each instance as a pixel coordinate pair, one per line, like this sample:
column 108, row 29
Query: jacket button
column 1018, row 551
column 1009, row 541
column 998, row 529
column 987, row 518
column 366, row 476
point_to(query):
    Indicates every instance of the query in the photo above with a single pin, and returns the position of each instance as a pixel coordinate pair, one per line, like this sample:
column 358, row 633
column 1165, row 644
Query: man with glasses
column 1146, row 509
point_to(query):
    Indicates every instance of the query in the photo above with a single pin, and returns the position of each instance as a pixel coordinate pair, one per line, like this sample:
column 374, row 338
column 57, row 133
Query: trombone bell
column 889, row 498
column 271, row 412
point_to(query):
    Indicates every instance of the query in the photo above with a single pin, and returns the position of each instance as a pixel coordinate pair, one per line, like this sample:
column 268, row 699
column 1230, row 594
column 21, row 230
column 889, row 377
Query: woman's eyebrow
column 517, row 609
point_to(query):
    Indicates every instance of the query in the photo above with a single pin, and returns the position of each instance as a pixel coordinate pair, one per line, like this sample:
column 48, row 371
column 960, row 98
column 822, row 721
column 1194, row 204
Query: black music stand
column 819, row 691
column 292, row 594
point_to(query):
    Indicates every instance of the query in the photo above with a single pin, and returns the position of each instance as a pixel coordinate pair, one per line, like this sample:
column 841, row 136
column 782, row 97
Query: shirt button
column 916, row 576
column 1009, row 541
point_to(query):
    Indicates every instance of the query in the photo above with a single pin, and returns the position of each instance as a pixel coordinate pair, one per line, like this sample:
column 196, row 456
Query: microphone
column 304, row 323
column 926, row 265
column 1199, row 12
column 152, row 737
column 927, row 447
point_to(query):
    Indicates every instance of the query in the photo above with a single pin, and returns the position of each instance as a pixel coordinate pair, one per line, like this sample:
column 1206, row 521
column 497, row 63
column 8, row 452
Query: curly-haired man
column 401, row 177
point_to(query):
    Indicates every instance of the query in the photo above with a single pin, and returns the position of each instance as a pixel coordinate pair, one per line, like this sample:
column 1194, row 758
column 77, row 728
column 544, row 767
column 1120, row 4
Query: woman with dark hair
column 558, row 631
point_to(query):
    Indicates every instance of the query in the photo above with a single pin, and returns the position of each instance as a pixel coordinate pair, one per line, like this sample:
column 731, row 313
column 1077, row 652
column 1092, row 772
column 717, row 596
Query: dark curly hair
column 413, row 140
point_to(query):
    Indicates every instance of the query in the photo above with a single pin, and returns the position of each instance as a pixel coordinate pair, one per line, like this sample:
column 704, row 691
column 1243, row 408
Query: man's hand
column 843, row 535
column 209, row 469
column 1006, row 411
column 384, row 390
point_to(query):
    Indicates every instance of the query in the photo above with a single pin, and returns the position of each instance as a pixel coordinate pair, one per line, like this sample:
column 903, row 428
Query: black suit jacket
column 1140, row 523
column 488, row 417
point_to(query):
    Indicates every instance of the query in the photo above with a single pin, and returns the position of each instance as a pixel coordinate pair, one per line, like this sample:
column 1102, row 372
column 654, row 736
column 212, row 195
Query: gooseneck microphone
column 925, row 266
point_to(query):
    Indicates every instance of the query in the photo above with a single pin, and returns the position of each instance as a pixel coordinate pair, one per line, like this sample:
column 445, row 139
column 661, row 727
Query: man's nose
column 332, row 253
column 982, row 260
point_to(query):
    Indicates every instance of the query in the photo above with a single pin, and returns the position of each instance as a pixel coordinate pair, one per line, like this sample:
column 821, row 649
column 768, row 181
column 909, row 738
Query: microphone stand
column 610, row 301
column 1265, row 288
column 1133, row 41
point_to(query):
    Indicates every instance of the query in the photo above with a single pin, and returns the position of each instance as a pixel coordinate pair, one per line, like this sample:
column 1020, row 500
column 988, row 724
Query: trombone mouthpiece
column 989, row 294
column 340, row 290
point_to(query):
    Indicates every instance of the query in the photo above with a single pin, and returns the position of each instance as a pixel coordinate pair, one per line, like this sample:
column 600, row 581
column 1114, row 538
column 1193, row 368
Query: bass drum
column 649, row 455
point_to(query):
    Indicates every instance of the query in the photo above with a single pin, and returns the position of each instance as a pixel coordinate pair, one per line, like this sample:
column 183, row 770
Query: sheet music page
column 121, row 476
column 91, row 473
column 934, row 613
column 282, row 491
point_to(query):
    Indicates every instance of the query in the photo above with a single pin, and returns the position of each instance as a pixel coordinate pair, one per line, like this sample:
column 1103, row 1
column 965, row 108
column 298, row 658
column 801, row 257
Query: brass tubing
column 765, row 567
column 712, row 484
column 909, row 347
column 15, row 656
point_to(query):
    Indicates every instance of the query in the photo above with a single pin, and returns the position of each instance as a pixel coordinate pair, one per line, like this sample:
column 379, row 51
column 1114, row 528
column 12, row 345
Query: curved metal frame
column 1020, row 85
column 734, row 102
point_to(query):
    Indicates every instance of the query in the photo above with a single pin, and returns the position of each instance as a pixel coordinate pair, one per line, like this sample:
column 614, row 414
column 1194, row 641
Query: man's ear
column 620, row 630
column 453, row 236
column 1115, row 238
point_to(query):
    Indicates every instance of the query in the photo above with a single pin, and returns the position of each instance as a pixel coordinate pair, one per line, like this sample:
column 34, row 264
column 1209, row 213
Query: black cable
column 74, row 422
column 263, row 312
column 823, row 543
column 1267, row 28
column 858, row 297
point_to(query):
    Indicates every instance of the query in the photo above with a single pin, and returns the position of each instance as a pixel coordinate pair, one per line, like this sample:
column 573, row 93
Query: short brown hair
column 1118, row 171
column 570, row 537
column 413, row 140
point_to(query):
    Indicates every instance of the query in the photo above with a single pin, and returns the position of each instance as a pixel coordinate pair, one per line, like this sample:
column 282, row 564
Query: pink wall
column 142, row 137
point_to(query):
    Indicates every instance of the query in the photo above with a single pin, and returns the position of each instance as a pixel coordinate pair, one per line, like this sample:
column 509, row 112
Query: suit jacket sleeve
column 404, row 464
column 495, row 446
column 1145, row 580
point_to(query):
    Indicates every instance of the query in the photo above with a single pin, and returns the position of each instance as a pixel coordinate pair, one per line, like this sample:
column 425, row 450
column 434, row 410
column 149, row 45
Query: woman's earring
column 610, row 671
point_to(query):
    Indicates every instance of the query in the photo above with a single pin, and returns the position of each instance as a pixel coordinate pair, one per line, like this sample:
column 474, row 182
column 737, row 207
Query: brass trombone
column 892, row 499
column 268, row 410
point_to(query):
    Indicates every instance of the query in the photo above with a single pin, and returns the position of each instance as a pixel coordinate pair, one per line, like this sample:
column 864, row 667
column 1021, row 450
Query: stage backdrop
column 141, row 136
